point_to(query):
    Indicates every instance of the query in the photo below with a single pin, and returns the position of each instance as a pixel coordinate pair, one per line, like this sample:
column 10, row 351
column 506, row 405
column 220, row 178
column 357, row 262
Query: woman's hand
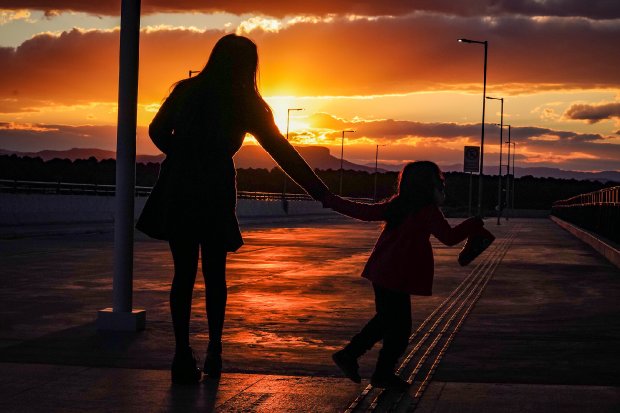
column 330, row 200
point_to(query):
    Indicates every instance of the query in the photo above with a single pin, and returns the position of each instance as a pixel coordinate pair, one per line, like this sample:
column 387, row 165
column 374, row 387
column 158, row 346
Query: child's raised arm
column 448, row 235
column 357, row 210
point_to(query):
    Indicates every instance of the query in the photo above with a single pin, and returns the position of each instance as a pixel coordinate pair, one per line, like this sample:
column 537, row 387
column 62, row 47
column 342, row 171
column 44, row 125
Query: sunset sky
column 391, row 70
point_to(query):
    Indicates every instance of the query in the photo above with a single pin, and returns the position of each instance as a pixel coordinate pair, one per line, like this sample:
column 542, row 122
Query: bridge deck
column 534, row 326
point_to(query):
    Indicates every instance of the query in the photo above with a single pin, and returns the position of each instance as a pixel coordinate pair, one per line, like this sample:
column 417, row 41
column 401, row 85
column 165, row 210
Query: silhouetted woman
column 199, row 127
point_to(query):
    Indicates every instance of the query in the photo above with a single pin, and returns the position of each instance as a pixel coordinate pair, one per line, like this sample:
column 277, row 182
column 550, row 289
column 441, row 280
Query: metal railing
column 607, row 196
column 597, row 211
column 67, row 188
column 63, row 188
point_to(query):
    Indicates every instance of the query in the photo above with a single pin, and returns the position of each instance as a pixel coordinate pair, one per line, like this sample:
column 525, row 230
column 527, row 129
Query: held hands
column 332, row 201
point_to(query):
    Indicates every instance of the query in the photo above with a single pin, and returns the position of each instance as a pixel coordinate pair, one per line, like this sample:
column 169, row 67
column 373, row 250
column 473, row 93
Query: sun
column 280, row 106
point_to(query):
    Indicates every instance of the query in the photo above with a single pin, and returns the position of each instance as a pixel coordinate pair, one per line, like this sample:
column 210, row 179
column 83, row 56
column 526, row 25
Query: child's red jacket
column 402, row 258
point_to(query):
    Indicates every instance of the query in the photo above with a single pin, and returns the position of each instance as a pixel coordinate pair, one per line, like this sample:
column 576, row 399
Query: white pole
column 341, row 160
column 374, row 196
column 508, row 178
column 121, row 316
column 499, row 182
column 481, row 173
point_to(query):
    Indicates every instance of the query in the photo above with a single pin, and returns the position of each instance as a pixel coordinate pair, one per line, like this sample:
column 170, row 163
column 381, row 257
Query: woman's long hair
column 233, row 63
column 416, row 189
column 230, row 71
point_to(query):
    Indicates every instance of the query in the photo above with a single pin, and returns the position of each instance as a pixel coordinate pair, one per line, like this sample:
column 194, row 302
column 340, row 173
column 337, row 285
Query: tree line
column 530, row 192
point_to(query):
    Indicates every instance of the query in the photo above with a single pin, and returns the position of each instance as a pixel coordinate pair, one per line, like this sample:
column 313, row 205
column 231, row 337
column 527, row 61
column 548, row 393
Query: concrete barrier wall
column 603, row 246
column 36, row 209
column 25, row 209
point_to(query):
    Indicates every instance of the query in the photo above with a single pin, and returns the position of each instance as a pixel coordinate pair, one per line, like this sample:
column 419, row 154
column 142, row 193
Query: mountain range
column 252, row 156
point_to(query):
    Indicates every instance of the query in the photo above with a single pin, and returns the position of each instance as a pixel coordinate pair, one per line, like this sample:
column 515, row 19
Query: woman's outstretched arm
column 267, row 134
column 357, row 210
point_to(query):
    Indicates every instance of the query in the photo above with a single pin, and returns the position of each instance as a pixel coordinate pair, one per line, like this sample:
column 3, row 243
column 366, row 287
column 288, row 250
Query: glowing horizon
column 60, row 79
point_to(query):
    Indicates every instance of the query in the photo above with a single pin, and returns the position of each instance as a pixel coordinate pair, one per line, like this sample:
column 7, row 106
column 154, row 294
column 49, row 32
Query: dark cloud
column 37, row 137
column 596, row 9
column 534, row 133
column 393, row 129
column 593, row 113
column 331, row 58
column 569, row 150
column 396, row 129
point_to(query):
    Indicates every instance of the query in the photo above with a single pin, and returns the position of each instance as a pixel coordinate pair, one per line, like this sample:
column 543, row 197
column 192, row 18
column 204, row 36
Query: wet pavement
column 548, row 320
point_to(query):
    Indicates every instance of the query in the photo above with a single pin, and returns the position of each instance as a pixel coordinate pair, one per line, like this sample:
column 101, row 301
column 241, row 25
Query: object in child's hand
column 475, row 245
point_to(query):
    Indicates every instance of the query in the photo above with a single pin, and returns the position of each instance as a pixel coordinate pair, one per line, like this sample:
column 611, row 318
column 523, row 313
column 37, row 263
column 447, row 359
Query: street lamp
column 191, row 72
column 512, row 197
column 342, row 157
column 284, row 201
column 508, row 194
column 374, row 197
column 484, row 92
column 508, row 197
column 288, row 118
column 501, row 143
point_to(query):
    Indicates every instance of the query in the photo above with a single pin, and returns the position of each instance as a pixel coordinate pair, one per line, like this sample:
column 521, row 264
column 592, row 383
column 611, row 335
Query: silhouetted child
column 401, row 264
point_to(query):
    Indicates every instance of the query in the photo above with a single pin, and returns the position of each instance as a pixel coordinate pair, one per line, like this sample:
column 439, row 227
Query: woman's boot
column 184, row 369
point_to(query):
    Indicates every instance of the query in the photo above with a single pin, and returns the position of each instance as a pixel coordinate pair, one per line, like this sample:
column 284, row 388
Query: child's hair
column 416, row 184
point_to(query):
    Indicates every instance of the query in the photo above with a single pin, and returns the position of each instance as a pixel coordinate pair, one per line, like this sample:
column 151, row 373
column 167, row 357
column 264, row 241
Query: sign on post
column 471, row 161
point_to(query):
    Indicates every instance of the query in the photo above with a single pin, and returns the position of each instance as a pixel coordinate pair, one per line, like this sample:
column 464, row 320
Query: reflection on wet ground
column 295, row 294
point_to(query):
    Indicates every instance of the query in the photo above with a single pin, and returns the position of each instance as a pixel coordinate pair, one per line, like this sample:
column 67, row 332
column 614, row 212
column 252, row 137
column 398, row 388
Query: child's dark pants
column 392, row 324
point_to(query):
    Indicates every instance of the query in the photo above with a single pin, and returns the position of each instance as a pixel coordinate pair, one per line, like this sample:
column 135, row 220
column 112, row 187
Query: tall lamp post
column 288, row 118
column 501, row 144
column 512, row 198
column 484, row 92
column 374, row 197
column 508, row 195
column 342, row 157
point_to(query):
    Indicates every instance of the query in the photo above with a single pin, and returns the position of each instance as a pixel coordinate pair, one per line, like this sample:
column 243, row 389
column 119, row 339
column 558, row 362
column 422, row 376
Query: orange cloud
column 340, row 57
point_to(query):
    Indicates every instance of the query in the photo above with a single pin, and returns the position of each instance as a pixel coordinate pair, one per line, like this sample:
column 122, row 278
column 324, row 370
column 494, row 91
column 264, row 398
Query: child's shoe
column 475, row 245
column 389, row 381
column 184, row 370
column 348, row 365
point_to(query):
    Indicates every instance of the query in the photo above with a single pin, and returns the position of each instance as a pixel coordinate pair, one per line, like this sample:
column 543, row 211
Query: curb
column 602, row 247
